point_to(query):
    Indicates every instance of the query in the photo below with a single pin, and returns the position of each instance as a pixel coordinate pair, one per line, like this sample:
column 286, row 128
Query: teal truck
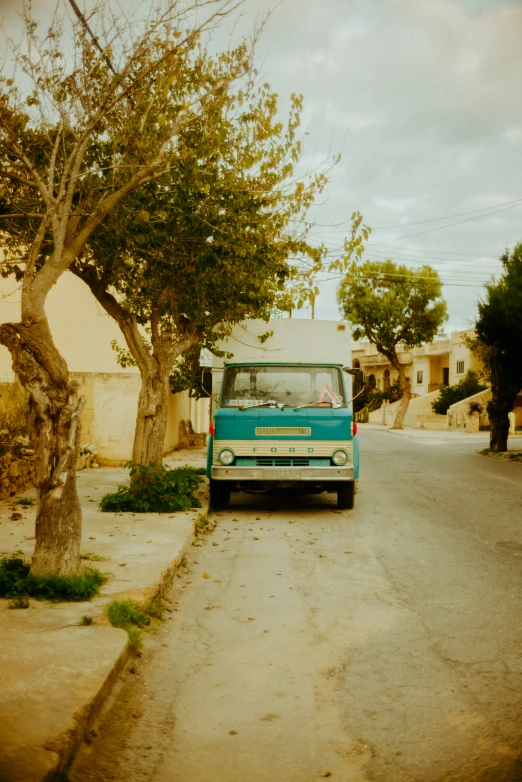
column 282, row 412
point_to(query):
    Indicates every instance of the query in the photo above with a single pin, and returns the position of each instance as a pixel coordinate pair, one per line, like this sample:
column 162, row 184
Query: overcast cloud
column 423, row 99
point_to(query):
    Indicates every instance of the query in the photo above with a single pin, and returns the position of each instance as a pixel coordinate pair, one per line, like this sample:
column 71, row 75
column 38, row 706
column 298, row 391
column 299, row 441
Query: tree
column 499, row 344
column 208, row 245
column 391, row 305
column 79, row 133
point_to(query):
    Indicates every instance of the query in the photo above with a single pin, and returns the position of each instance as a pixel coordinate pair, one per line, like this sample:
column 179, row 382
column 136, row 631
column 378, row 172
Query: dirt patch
column 508, row 456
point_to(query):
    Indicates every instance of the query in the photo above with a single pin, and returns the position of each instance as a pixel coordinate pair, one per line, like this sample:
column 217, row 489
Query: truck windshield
column 293, row 386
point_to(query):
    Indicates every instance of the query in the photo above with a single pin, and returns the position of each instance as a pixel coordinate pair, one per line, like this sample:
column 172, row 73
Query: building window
column 460, row 367
column 419, row 377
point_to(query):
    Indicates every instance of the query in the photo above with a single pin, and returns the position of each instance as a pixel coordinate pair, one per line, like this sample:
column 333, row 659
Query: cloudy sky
column 423, row 99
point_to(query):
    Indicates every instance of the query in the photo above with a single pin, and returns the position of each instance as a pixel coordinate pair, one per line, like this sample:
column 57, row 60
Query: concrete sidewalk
column 54, row 673
column 427, row 434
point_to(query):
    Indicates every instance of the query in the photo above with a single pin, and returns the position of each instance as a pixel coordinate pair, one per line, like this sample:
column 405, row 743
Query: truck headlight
column 339, row 458
column 226, row 456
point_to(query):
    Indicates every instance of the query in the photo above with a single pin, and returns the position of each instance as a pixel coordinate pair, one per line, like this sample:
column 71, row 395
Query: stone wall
column 16, row 470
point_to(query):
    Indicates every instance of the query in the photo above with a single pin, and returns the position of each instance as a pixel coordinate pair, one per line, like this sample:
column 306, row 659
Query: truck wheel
column 346, row 495
column 219, row 495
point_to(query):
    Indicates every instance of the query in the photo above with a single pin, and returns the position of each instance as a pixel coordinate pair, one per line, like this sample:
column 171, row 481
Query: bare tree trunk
column 502, row 400
column 151, row 419
column 499, row 432
column 54, row 428
column 405, row 388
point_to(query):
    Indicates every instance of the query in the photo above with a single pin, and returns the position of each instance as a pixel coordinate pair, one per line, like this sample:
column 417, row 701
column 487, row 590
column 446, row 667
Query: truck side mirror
column 358, row 380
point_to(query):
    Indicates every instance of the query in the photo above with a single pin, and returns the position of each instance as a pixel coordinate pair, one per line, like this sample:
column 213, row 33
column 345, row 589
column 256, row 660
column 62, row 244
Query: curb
column 86, row 720
column 28, row 758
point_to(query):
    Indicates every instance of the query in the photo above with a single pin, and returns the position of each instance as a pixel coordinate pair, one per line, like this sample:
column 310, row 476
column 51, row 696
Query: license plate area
column 277, row 474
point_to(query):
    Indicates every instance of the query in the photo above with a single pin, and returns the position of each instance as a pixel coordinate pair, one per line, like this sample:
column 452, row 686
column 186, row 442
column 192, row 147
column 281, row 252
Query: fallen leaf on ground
column 149, row 541
column 206, row 575
column 257, row 538
column 251, row 618
column 215, row 544
column 216, row 581
column 123, row 564
column 137, row 714
column 232, row 732
column 91, row 538
column 16, row 516
column 348, row 552
column 288, row 534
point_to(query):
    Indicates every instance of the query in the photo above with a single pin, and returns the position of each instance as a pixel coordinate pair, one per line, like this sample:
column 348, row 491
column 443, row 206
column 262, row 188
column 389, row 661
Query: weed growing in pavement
column 156, row 608
column 92, row 557
column 203, row 525
column 128, row 616
column 21, row 601
column 85, row 621
column 154, row 488
column 16, row 581
column 510, row 456
column 27, row 501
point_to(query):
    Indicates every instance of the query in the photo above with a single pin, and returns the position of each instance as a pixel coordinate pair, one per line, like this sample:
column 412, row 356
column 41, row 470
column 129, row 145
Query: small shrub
column 85, row 621
column 92, row 557
column 16, row 580
column 21, row 601
column 154, row 488
column 26, row 501
column 450, row 395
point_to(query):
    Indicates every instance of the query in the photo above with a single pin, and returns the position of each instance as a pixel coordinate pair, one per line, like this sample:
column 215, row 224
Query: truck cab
column 284, row 423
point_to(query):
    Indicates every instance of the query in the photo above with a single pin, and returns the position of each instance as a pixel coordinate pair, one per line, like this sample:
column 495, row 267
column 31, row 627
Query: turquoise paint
column 325, row 423
column 311, row 462
column 210, row 452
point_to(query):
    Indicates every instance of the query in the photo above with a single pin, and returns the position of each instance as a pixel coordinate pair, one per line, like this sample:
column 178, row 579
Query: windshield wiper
column 270, row 403
column 335, row 405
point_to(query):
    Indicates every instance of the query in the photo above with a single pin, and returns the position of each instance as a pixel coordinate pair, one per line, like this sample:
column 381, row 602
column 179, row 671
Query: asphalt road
column 383, row 643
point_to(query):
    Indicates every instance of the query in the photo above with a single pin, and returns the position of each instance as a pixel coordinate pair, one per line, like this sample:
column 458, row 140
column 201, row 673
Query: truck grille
column 282, row 461
column 283, row 431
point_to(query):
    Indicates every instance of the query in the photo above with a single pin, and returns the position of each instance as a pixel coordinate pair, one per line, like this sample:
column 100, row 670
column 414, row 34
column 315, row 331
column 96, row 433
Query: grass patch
column 27, row 501
column 16, row 581
column 155, row 488
column 85, row 621
column 128, row 616
column 92, row 557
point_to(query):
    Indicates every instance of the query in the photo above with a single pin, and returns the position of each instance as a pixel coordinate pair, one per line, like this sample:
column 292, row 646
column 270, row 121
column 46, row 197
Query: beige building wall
column 83, row 333
column 461, row 358
column 81, row 329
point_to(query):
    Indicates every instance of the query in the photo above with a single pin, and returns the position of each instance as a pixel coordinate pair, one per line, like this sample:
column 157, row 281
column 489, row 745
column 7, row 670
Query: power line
column 450, row 225
column 448, row 217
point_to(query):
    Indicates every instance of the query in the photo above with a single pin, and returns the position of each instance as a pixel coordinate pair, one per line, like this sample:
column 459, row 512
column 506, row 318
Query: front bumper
column 312, row 474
